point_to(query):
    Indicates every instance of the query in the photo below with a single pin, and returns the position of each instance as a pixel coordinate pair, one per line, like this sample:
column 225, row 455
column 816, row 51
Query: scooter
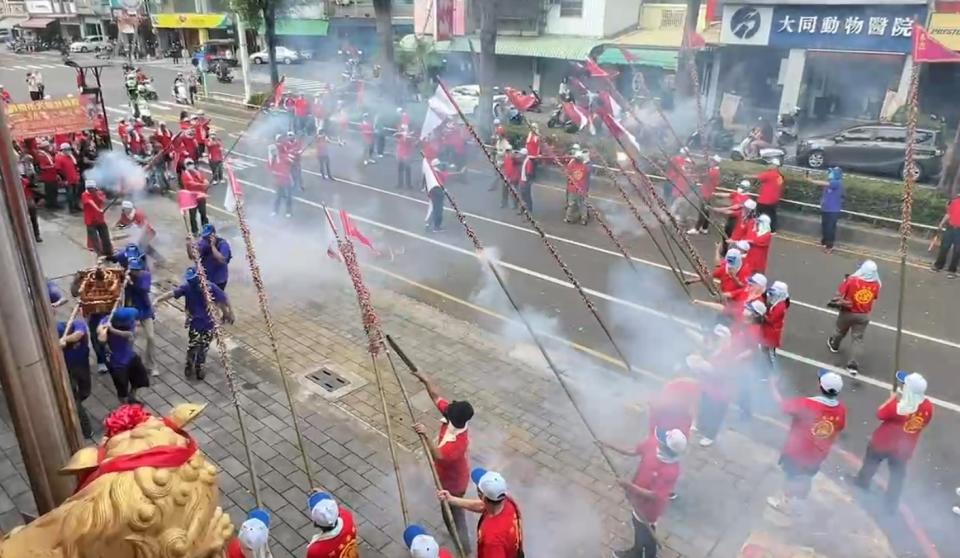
column 787, row 127
column 180, row 93
column 224, row 76
column 145, row 115
column 149, row 92
column 766, row 155
column 557, row 118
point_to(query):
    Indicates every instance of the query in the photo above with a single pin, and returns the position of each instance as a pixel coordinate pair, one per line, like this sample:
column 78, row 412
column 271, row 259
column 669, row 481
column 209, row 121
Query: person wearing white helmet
column 649, row 489
column 854, row 301
column 778, row 302
column 253, row 537
column 903, row 418
column 772, row 184
column 336, row 535
column 815, row 424
column 421, row 544
column 731, row 275
column 434, row 181
column 500, row 528
column 759, row 237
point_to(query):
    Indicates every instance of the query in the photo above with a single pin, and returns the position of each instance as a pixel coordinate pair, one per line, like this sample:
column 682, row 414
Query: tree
column 383, row 9
column 255, row 12
column 488, row 61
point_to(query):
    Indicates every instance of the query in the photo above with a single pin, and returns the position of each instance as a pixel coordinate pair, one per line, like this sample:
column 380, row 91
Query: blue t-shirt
column 53, row 292
column 77, row 353
column 120, row 349
column 831, row 200
column 196, row 306
column 138, row 293
column 216, row 271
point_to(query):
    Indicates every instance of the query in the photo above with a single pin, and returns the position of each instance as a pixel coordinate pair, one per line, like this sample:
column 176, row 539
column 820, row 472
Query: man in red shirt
column 771, row 189
column 533, row 147
column 500, row 529
column 195, row 182
column 902, row 419
column 144, row 233
column 301, row 112
column 66, row 165
column 731, row 274
column 322, row 147
column 279, row 166
column 338, row 531
column 719, row 366
column 949, row 238
column 578, row 179
column 422, row 545
column 48, row 175
column 162, row 136
column 676, row 176
column 511, row 171
column 405, row 144
column 30, row 198
column 771, row 333
column 215, row 156
column 709, row 187
column 759, row 238
column 123, row 133
column 188, row 146
column 293, row 148
column 450, row 453
column 94, row 203
column 815, row 424
column 367, row 135
column 651, row 486
column 855, row 297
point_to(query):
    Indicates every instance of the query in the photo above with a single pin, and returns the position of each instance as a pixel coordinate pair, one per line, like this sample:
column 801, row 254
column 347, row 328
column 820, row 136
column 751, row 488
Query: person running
column 854, row 299
column 950, row 238
column 500, row 528
column 903, row 417
column 451, row 451
column 337, row 531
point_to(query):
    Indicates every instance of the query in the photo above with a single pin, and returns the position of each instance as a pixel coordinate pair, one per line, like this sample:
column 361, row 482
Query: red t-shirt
column 453, row 467
column 676, row 170
column 771, row 186
column 533, row 145
column 897, row 434
column 756, row 257
column 655, row 476
column 48, row 168
column 743, row 227
column 27, row 191
column 139, row 219
column 511, row 169
column 234, row 550
column 366, row 130
column 953, row 212
column 280, row 170
column 194, row 181
column 577, row 173
column 501, row 535
column 92, row 215
column 673, row 408
column 215, row 147
column 67, row 168
column 861, row 294
column 343, row 545
column 405, row 147
column 773, row 321
column 301, row 108
column 814, row 428
column 711, row 184
column 730, row 286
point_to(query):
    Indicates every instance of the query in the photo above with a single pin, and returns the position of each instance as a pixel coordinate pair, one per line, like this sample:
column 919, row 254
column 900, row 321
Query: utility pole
column 684, row 83
column 244, row 60
column 32, row 371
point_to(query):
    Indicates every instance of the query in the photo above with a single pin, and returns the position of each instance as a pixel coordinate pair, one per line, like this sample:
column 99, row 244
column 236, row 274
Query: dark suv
column 874, row 148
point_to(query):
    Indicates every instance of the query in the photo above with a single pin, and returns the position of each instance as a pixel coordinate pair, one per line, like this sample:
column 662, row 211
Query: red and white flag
column 578, row 117
column 518, row 100
column 350, row 230
column 610, row 104
column 234, row 192
column 619, row 131
column 596, row 71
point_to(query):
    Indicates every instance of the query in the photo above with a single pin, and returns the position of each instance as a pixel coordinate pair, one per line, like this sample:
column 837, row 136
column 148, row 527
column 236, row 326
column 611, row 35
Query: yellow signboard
column 189, row 21
column 945, row 29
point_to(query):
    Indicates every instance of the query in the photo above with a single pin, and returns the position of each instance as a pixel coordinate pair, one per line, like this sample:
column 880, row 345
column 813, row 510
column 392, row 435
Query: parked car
column 88, row 44
column 874, row 148
column 468, row 97
column 284, row 56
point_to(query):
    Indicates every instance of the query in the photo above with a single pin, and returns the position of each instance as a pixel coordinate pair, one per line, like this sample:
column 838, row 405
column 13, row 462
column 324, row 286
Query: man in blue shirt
column 93, row 321
column 214, row 256
column 123, row 257
column 831, row 206
column 138, row 296
column 124, row 363
column 200, row 322
column 76, row 354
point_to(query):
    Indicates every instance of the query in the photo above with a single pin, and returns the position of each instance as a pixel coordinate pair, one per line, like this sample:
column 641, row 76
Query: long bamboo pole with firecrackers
column 536, row 227
column 262, row 302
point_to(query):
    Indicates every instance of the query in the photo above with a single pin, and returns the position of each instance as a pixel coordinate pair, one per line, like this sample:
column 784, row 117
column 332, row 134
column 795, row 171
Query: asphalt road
column 647, row 312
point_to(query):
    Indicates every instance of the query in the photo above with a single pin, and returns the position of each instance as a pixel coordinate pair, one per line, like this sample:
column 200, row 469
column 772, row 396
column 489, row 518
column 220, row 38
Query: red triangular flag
column 187, row 199
column 351, row 231
column 521, row 102
column 928, row 49
column 595, row 69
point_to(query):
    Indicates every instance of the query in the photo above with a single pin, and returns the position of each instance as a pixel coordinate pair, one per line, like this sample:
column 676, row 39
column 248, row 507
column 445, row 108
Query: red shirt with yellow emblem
column 860, row 294
column 814, row 428
column 341, row 545
column 898, row 434
column 501, row 535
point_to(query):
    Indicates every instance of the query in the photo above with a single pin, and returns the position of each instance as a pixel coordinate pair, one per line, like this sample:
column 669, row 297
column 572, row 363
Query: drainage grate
column 329, row 380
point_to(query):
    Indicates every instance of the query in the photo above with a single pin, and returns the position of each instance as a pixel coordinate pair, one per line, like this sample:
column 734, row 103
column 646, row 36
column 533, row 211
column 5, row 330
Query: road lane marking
column 881, row 325
column 604, row 296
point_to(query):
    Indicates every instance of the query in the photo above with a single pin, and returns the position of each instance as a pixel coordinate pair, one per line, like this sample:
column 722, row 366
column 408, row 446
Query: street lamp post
column 244, row 59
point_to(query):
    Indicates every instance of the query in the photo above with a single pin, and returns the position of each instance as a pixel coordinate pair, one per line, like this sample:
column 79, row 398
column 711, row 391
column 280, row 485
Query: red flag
column 234, row 192
column 595, row 69
column 351, row 231
column 609, row 104
column 712, row 11
column 187, row 199
column 278, row 92
column 928, row 49
column 577, row 116
column 619, row 131
column 521, row 102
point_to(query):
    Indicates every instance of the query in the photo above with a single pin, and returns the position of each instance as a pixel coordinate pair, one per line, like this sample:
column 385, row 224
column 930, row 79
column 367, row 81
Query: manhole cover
column 328, row 380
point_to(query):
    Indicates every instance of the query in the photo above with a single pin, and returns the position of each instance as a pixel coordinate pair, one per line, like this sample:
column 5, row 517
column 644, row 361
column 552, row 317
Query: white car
column 467, row 97
column 88, row 44
column 284, row 56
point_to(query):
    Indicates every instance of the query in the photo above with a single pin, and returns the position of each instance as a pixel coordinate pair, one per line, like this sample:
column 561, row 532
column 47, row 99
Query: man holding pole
column 950, row 238
column 500, row 528
column 450, row 453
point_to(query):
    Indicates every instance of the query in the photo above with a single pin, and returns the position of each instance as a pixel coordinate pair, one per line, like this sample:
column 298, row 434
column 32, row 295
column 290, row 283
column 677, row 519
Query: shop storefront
column 836, row 63
column 939, row 83
column 191, row 30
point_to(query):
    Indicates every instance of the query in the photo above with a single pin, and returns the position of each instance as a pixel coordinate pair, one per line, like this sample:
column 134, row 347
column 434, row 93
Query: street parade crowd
column 734, row 356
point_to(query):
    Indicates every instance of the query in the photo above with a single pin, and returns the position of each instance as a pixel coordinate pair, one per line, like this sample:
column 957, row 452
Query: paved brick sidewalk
column 525, row 426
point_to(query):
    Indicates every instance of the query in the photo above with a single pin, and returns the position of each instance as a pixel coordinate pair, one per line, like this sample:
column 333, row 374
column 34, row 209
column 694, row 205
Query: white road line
column 604, row 296
column 881, row 325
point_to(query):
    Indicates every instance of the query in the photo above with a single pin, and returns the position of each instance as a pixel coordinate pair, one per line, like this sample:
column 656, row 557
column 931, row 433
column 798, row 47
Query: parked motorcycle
column 767, row 155
column 788, row 127
column 142, row 111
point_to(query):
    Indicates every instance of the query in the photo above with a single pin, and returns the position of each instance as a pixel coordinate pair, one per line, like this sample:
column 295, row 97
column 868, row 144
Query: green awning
column 666, row 59
column 562, row 47
column 311, row 27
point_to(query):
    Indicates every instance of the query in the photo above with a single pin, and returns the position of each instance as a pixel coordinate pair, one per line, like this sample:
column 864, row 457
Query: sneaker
column 853, row 369
column 673, row 496
column 201, row 373
column 188, row 371
column 704, row 231
column 935, row 269
column 102, row 368
column 706, row 442
column 693, row 231
column 834, row 347
column 951, row 275
column 39, row 240
column 956, row 510
column 781, row 504
column 155, row 373
column 626, row 553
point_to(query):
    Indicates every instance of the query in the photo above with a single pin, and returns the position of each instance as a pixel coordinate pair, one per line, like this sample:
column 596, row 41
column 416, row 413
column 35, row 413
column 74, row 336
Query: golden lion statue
column 145, row 492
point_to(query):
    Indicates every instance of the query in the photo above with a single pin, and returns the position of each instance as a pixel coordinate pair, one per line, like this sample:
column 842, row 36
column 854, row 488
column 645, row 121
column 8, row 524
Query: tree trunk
column 488, row 63
column 270, row 28
column 684, row 83
column 388, row 64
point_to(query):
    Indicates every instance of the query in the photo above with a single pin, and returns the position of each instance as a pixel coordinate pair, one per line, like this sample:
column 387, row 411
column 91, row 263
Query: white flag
column 438, row 108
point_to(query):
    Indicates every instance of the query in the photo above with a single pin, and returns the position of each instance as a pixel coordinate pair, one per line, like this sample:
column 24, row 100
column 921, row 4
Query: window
column 891, row 135
column 571, row 8
column 858, row 134
column 672, row 19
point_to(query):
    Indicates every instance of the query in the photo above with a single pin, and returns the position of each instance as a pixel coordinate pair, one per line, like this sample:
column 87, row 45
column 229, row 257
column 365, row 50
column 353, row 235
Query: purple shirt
column 831, row 200
column 78, row 353
column 120, row 348
column 196, row 306
column 216, row 271
column 138, row 293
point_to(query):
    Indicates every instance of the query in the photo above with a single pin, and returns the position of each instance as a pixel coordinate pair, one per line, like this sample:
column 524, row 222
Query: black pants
column 80, row 383
column 703, row 222
column 35, row 96
column 459, row 523
column 193, row 93
column 222, row 285
column 769, row 209
column 828, row 228
column 284, row 195
column 403, row 175
column 99, row 349
column 436, row 208
column 898, row 471
column 296, row 175
column 368, row 151
column 99, row 237
column 644, row 540
column 950, row 238
column 216, row 171
column 381, row 143
column 506, row 196
column 202, row 210
column 526, row 194
column 32, row 212
column 73, row 196
column 710, row 416
column 51, row 194
column 324, row 161
column 129, row 378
